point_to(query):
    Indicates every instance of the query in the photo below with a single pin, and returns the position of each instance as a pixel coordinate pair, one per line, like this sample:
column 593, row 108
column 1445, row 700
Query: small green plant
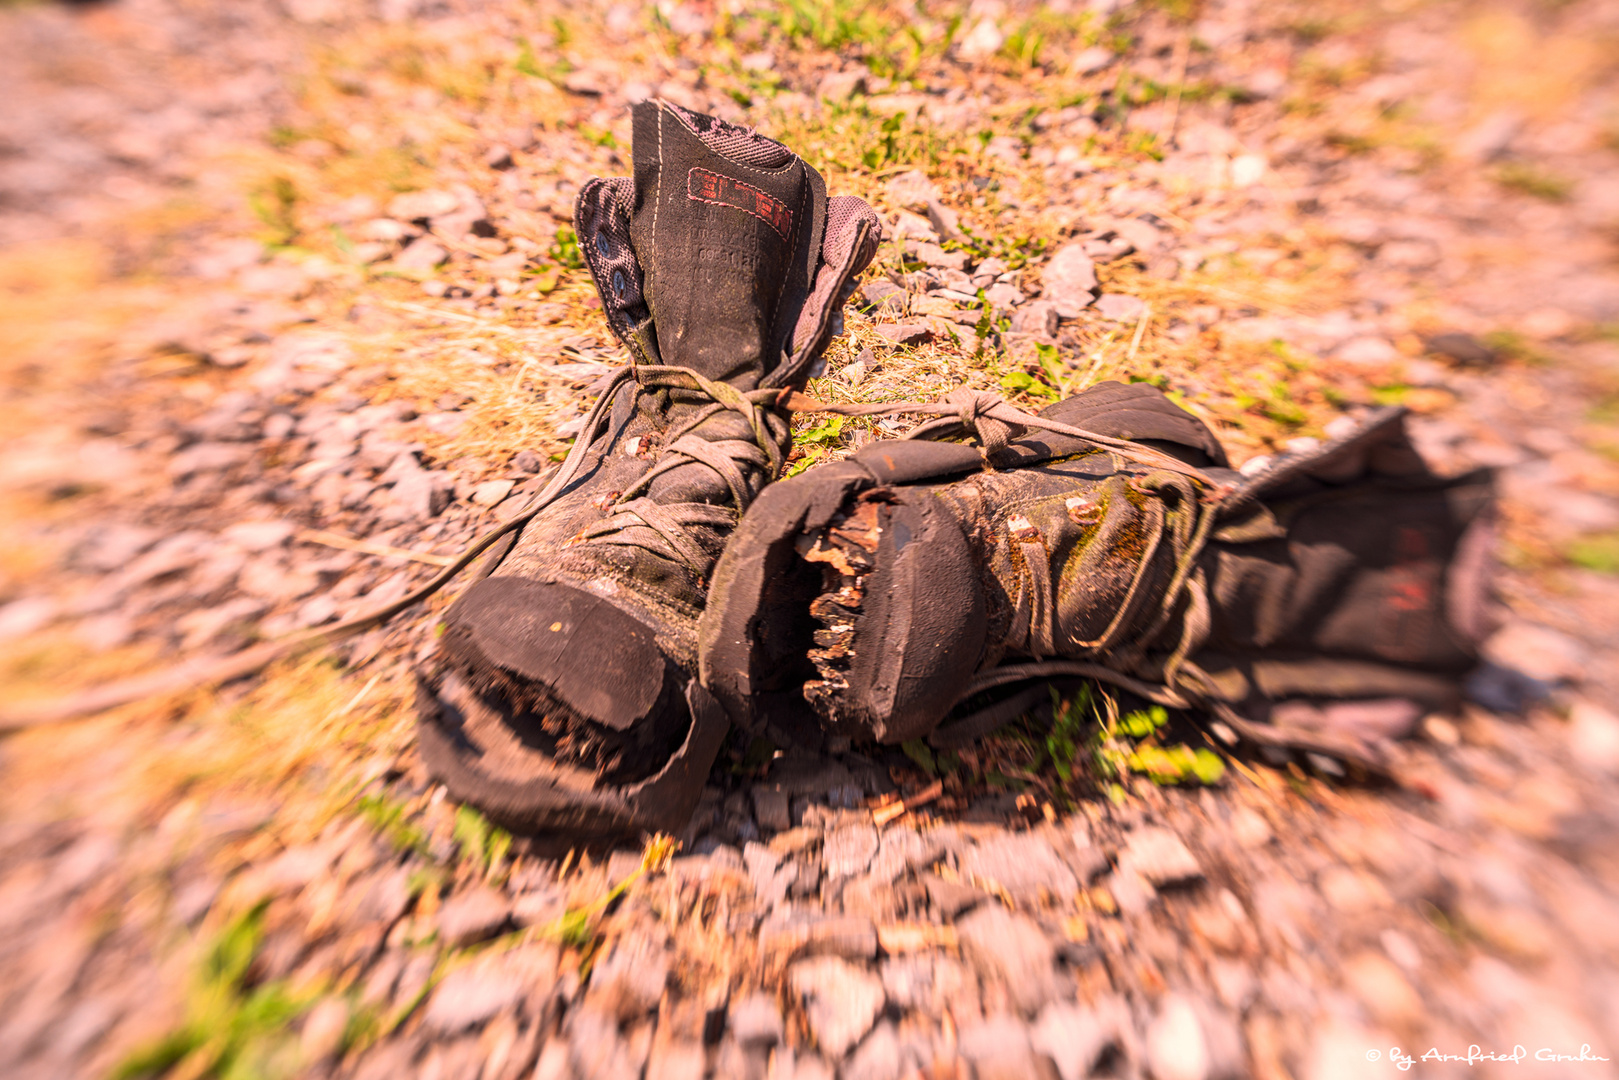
column 565, row 249
column 276, row 205
column 576, row 927
column 1392, row 394
column 528, row 63
column 231, row 1029
column 919, row 751
column 1132, row 743
column 1023, row 45
column 1511, row 345
column 816, row 443
column 1599, row 553
column 1281, row 407
column 1021, row 382
column 885, row 150
column 1056, row 377
column 485, row 844
column 603, row 137
column 1068, row 722
column 387, row 816
column 1532, row 180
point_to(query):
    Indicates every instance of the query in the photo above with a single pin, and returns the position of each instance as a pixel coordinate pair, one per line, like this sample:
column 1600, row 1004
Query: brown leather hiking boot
column 562, row 696
column 884, row 591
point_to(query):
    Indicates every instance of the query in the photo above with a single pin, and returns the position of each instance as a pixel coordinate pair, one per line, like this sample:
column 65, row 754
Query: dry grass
column 395, row 108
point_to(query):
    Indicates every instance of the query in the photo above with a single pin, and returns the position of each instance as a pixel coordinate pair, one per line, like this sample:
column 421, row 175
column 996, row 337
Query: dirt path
column 289, row 312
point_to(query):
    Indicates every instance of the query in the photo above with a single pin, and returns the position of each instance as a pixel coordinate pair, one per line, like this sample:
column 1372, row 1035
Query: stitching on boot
column 716, row 190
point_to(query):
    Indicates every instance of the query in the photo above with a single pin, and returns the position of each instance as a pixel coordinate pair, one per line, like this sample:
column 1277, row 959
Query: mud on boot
column 1315, row 603
column 562, row 694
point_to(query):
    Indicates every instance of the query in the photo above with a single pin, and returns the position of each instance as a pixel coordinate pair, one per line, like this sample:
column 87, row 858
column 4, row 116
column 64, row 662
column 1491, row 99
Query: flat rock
column 538, row 907
column 879, row 1057
column 912, row 190
column 207, row 457
column 422, row 205
column 1003, row 297
column 492, row 984
column 1176, row 1049
column 1593, row 737
column 841, row 86
column 1383, row 989
column 470, row 917
column 255, row 536
column 1000, row 1049
column 1159, row 857
column 628, row 981
column 1024, row 865
column 322, row 1035
column 1538, row 651
column 847, row 850
column 1463, row 348
column 924, row 982
column 596, row 1049
column 1075, row 1037
column 841, row 1001
column 952, row 897
column 1366, row 350
column 23, row 617
column 1014, row 950
column 674, row 1061
column 783, row 938
column 755, row 1020
column 934, row 255
column 1070, row 277
column 771, row 876
column 904, row 333
column 904, row 849
column 418, row 496
column 1142, row 235
column 1040, row 318
column 945, row 221
column 420, row 256
column 491, row 492
column 1120, row 307
column 883, row 294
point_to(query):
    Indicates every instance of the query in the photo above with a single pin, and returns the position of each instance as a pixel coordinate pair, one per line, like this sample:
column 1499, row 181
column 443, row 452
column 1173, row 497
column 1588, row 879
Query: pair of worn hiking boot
column 658, row 591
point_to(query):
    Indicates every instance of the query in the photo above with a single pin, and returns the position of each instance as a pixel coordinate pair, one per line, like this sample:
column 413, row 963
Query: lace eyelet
column 1022, row 529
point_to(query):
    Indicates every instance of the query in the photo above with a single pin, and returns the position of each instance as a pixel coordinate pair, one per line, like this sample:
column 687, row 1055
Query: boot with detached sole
column 1320, row 602
column 562, row 696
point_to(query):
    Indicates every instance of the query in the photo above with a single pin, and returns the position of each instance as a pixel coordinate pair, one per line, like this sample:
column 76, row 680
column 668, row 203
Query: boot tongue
column 726, row 225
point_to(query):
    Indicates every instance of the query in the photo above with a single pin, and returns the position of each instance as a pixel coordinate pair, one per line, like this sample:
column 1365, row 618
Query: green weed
column 1599, row 553
column 883, row 36
column 231, row 1030
column 554, row 68
column 387, row 816
column 1281, row 407
column 919, row 751
column 816, row 442
column 576, row 927
column 275, row 205
column 1132, row 744
column 1527, row 178
column 485, row 844
column 565, row 249
column 1511, row 345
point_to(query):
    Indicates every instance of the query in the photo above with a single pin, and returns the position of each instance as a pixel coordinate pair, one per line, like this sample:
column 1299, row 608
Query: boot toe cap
column 592, row 657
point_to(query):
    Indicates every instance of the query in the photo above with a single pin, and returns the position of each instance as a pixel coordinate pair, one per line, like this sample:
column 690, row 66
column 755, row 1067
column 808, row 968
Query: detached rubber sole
column 554, row 709
column 472, row 749
column 905, row 632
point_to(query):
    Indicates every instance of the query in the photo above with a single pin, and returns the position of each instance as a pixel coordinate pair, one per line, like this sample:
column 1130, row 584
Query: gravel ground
column 288, row 315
